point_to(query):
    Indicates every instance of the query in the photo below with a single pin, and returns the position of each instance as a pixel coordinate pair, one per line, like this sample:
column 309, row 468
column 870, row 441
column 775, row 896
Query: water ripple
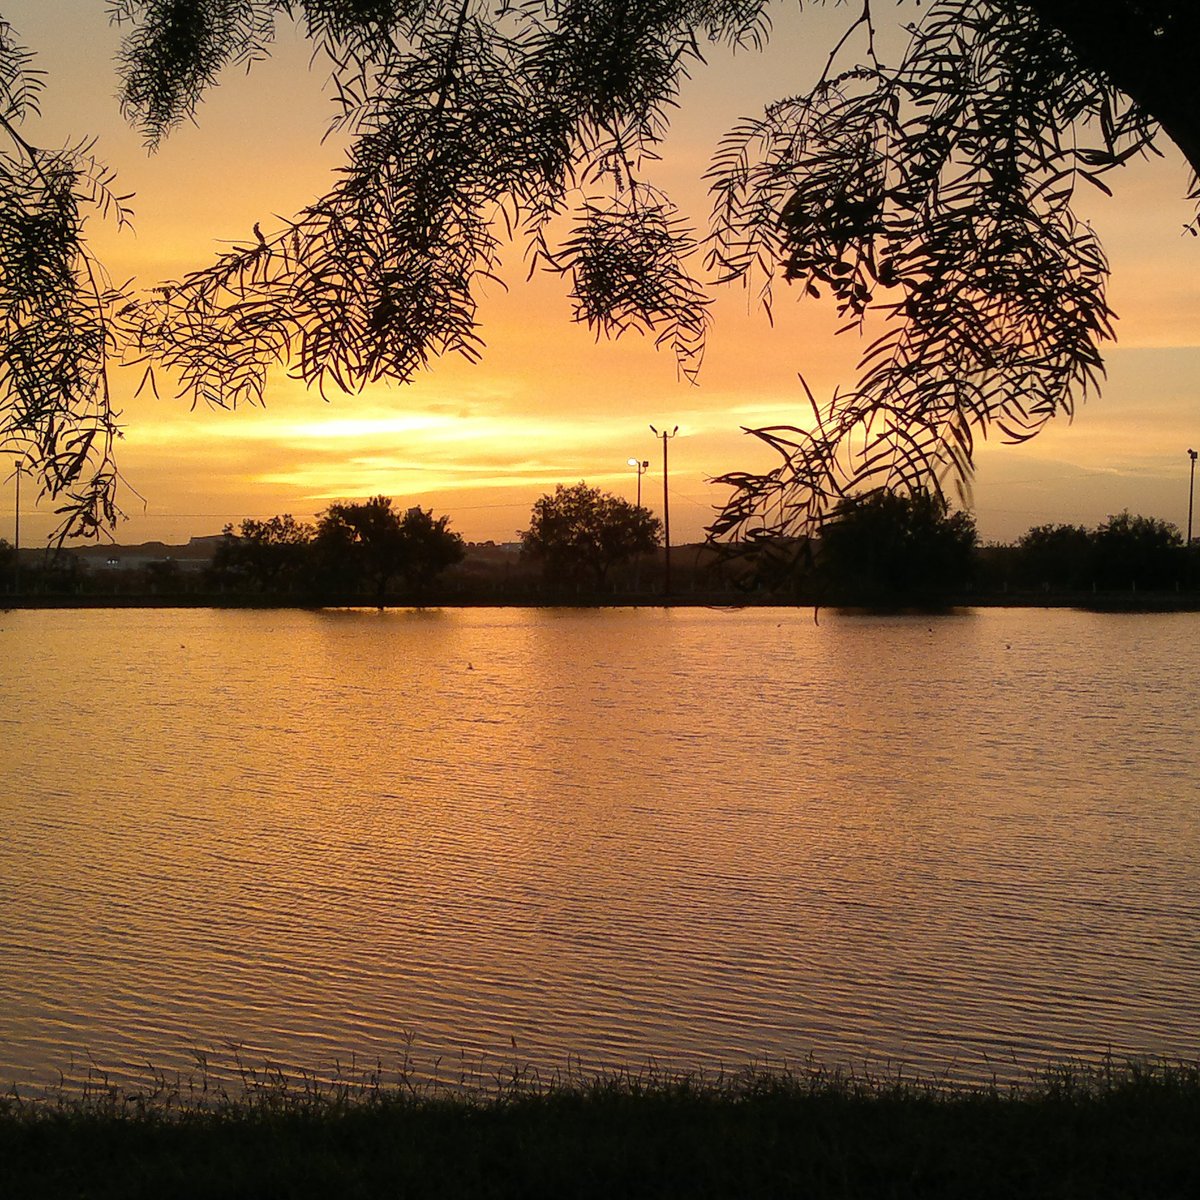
column 699, row 837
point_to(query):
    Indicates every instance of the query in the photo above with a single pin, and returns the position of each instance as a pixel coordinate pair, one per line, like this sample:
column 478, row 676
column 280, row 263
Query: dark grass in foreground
column 1074, row 1132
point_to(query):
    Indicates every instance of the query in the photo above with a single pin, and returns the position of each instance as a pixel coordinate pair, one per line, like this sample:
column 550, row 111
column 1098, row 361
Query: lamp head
column 654, row 431
column 633, row 462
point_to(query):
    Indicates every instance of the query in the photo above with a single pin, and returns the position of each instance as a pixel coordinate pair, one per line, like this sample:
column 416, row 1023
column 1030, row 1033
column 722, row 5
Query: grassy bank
column 1129, row 1132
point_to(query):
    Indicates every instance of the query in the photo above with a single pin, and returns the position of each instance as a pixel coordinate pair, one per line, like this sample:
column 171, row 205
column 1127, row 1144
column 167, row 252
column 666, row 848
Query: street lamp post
column 17, row 538
column 1191, row 493
column 666, row 510
column 641, row 466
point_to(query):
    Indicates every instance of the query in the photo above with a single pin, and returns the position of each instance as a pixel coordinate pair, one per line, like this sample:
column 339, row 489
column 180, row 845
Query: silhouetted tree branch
column 57, row 308
column 931, row 197
column 933, row 201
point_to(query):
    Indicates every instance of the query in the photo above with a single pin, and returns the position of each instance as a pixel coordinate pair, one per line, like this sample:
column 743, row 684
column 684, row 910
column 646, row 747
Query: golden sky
column 548, row 404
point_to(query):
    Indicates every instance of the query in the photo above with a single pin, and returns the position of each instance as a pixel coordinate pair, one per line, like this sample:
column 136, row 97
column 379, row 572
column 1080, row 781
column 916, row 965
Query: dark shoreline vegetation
column 586, row 548
column 1112, row 1130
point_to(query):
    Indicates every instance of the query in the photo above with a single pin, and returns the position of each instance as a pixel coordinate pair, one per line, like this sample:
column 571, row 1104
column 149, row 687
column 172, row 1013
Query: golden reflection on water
column 707, row 838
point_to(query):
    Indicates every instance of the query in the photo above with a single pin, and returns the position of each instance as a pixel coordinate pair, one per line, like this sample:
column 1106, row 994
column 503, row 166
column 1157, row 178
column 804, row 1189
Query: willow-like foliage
column 468, row 122
column 931, row 198
column 57, row 309
column 933, row 202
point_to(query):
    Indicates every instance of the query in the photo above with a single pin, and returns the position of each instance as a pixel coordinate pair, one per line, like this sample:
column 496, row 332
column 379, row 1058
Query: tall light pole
column 666, row 437
column 17, row 537
column 641, row 466
column 1191, row 493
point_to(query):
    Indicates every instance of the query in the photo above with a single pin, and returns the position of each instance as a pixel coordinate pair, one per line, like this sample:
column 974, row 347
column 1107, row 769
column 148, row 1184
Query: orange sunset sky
column 547, row 404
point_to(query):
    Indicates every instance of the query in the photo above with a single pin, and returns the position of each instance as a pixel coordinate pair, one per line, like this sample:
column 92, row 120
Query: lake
column 966, row 844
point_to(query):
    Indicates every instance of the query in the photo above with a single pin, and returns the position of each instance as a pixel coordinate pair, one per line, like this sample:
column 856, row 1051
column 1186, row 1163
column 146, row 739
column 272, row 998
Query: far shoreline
column 1101, row 602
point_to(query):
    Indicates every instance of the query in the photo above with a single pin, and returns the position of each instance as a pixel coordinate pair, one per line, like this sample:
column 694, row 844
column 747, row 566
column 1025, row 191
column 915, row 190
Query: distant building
column 191, row 559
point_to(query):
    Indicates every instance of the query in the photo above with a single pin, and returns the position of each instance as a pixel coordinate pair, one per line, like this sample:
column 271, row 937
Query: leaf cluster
column 933, row 202
column 930, row 199
column 57, row 308
column 468, row 121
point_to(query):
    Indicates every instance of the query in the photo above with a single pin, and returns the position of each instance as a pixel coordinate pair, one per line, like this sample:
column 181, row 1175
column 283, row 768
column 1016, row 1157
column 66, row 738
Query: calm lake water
column 965, row 844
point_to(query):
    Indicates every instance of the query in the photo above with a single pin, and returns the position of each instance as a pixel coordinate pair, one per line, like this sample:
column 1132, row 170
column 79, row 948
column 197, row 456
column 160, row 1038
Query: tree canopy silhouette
column 271, row 556
column 580, row 533
column 1136, row 551
column 891, row 549
column 931, row 197
column 370, row 542
column 1125, row 551
column 1056, row 556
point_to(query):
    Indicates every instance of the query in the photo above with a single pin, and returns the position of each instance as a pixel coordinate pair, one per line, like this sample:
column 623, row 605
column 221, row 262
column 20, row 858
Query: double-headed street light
column 666, row 509
column 641, row 466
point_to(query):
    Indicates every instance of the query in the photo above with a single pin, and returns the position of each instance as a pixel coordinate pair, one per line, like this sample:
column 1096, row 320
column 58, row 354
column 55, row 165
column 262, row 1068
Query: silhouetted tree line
column 881, row 549
column 370, row 551
column 356, row 551
column 1127, row 552
column 582, row 544
column 585, row 545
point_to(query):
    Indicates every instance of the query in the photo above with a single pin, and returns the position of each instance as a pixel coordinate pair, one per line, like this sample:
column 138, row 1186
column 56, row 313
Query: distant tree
column 272, row 556
column 8, row 559
column 883, row 548
column 56, row 572
column 359, row 544
column 428, row 546
column 1056, row 556
column 1136, row 551
column 580, row 533
column 370, row 543
column 996, row 568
